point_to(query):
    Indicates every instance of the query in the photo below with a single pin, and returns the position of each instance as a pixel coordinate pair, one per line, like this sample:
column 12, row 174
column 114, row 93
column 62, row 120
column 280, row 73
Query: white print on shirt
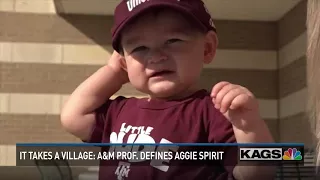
column 141, row 134
column 122, row 170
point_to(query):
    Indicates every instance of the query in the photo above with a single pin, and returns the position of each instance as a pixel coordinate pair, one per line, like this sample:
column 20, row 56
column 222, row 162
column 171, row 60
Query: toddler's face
column 164, row 54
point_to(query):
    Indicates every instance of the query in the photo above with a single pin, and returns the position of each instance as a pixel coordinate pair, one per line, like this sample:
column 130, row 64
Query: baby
column 160, row 48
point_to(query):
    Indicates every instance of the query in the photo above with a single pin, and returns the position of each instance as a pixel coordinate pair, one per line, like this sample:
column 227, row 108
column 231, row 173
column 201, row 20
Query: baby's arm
column 240, row 108
column 78, row 114
column 258, row 133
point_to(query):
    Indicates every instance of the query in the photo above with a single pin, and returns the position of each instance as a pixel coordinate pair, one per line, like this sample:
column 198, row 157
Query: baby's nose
column 157, row 56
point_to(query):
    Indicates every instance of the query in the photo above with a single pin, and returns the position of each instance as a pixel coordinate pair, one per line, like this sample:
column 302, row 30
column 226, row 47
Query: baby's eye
column 140, row 48
column 170, row 41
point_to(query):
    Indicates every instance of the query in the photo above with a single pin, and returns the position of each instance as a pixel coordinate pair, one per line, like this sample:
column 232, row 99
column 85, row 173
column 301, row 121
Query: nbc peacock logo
column 292, row 154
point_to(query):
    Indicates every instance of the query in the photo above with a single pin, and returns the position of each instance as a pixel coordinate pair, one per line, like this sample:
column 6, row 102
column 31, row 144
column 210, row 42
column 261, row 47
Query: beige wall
column 293, row 124
column 43, row 57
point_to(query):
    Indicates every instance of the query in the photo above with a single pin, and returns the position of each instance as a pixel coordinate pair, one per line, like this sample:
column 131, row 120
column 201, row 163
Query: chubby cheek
column 136, row 74
column 189, row 68
column 190, row 74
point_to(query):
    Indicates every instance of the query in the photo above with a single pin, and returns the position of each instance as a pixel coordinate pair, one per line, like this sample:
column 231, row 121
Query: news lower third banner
column 180, row 154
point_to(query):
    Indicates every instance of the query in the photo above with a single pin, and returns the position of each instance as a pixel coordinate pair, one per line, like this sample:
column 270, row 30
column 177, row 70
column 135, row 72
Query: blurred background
column 48, row 47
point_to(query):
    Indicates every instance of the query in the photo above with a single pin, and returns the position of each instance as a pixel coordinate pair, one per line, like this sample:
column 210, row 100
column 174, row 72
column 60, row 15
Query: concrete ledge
column 89, row 176
column 93, row 169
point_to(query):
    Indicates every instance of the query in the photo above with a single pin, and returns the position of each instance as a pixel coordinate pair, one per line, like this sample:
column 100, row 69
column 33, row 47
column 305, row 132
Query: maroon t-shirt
column 191, row 120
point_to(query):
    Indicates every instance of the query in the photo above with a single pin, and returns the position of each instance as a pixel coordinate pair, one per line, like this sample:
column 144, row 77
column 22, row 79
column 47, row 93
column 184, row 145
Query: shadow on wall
column 96, row 28
column 297, row 128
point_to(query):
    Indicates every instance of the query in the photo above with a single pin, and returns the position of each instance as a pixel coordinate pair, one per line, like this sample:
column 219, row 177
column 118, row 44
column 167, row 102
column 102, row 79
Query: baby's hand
column 236, row 103
column 117, row 63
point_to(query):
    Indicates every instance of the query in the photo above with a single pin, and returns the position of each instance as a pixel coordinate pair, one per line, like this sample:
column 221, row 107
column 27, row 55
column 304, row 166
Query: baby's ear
column 123, row 64
column 210, row 47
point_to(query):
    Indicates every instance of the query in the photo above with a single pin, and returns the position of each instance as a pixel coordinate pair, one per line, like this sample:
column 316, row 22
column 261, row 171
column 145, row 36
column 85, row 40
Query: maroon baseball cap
column 127, row 10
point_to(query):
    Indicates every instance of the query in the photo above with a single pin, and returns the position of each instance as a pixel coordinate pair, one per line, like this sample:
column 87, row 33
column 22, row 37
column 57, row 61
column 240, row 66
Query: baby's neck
column 178, row 95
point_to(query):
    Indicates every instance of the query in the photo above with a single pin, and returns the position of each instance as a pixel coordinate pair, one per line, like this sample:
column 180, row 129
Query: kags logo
column 254, row 154
column 292, row 154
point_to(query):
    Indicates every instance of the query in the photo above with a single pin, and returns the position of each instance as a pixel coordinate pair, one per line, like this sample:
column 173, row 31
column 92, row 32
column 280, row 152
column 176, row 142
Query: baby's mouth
column 162, row 73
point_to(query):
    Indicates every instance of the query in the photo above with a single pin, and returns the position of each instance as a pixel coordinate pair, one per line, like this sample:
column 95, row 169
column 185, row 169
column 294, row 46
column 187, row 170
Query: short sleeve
column 105, row 114
column 221, row 131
